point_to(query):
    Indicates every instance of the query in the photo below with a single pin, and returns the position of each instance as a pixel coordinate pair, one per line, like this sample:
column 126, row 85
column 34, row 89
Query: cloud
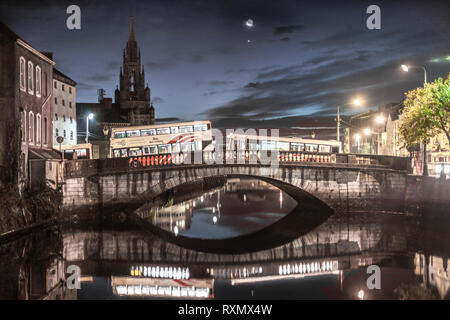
column 285, row 29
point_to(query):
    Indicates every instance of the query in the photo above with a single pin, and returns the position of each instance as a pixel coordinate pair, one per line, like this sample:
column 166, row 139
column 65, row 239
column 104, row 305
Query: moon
column 249, row 23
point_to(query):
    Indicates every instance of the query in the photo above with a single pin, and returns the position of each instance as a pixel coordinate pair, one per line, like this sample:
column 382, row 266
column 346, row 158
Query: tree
column 426, row 113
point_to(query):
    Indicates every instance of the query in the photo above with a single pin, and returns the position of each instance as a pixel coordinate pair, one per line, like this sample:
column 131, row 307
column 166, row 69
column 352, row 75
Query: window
column 70, row 104
column 71, row 135
column 62, row 87
column 38, row 129
column 71, row 120
column 31, row 127
column 120, row 134
column 164, row 148
column 186, row 129
column 38, row 81
column 200, row 127
column 56, row 100
column 134, row 133
column 150, row 150
column 174, row 130
column 45, row 131
column 45, row 84
column 163, row 131
column 135, row 152
column 148, row 132
column 297, row 146
column 56, row 116
column 311, row 147
column 283, row 146
column 63, row 102
column 324, row 148
column 22, row 74
column 23, row 122
column 54, row 84
column 64, row 118
column 175, row 147
column 186, row 147
column 64, row 134
column 30, row 78
column 56, row 132
column 70, row 89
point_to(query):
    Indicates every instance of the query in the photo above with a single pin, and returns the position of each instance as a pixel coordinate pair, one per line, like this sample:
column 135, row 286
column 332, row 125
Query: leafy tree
column 426, row 113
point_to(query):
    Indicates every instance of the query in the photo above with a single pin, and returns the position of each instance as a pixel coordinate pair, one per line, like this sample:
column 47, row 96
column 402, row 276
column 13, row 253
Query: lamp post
column 89, row 117
column 406, row 68
column 355, row 102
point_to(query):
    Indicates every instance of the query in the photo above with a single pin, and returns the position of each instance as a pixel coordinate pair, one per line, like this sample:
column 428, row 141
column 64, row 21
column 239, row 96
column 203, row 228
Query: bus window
column 174, row 130
column 186, row 129
column 163, row 131
column 283, row 146
column 311, row 147
column 324, row 148
column 175, row 147
column 148, row 132
column 132, row 152
column 253, row 145
column 267, row 145
column 164, row 148
column 297, row 147
column 200, row 127
column 134, row 133
column 150, row 150
column 116, row 153
column 120, row 134
column 123, row 153
column 81, row 153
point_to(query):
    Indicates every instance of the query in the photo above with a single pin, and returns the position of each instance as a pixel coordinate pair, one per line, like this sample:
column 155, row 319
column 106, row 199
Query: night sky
column 303, row 59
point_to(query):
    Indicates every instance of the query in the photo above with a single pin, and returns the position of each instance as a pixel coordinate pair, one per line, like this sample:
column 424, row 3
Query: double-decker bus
column 160, row 139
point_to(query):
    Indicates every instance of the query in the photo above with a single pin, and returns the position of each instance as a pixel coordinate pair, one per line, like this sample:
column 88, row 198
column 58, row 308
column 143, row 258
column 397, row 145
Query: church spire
column 131, row 36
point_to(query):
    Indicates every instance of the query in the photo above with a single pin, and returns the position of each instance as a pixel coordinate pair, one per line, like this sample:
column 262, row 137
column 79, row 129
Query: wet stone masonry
column 343, row 189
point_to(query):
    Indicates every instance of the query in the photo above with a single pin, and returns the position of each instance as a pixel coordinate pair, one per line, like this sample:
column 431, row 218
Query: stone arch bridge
column 344, row 187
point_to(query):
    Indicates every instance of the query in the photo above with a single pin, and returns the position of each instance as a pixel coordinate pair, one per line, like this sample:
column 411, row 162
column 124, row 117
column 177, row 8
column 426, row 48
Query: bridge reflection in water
column 122, row 255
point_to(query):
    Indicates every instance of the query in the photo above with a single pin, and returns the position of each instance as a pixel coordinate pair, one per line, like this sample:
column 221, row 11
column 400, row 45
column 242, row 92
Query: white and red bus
column 158, row 139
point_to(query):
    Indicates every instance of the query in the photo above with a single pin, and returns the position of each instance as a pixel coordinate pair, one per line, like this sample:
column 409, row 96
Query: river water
column 229, row 238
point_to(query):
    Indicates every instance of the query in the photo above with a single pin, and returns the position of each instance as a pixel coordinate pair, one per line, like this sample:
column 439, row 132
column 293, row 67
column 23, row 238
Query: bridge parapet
column 86, row 168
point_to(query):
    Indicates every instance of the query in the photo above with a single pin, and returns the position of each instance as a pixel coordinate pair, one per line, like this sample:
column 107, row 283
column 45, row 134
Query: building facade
column 378, row 132
column 64, row 109
column 26, row 104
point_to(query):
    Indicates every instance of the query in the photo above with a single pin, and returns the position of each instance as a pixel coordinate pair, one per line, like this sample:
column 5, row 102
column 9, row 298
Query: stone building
column 132, row 104
column 26, row 117
column 64, row 109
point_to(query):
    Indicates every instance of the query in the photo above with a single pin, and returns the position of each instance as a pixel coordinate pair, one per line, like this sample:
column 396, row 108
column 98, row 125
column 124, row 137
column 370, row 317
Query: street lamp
column 89, row 117
column 406, row 68
column 357, row 102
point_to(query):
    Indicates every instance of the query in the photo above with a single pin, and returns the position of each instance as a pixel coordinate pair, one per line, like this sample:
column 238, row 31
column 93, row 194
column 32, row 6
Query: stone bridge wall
column 342, row 188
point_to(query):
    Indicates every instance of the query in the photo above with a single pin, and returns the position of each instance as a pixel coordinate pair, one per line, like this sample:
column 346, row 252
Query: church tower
column 133, row 97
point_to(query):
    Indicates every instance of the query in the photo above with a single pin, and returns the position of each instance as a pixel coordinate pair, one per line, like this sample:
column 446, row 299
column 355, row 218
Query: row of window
column 31, row 78
column 34, row 128
column 64, row 134
column 283, row 146
column 64, row 118
column 62, row 86
column 63, row 102
column 160, row 131
column 158, row 149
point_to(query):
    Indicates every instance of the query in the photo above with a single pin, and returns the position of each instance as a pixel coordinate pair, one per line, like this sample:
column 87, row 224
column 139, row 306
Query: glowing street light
column 379, row 119
column 361, row 294
column 89, row 117
column 367, row 131
column 405, row 68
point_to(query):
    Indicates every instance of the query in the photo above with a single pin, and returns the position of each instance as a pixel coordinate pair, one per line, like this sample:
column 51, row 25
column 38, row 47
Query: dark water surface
column 230, row 238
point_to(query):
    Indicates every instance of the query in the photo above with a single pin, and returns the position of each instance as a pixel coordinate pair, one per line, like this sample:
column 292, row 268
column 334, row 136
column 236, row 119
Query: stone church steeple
column 133, row 97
